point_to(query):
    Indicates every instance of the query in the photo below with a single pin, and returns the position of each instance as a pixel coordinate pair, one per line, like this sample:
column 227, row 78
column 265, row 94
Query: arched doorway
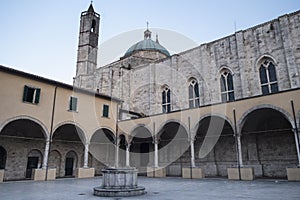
column 24, row 135
column 68, row 139
column 215, row 147
column 34, row 161
column 268, row 143
column 141, row 149
column 3, row 156
column 102, row 149
column 70, row 163
column 173, row 148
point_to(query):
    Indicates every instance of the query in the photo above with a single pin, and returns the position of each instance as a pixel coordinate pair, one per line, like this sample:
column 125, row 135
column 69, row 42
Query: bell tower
column 88, row 43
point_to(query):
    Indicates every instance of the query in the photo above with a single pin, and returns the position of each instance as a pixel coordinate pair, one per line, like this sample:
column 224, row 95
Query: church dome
column 147, row 45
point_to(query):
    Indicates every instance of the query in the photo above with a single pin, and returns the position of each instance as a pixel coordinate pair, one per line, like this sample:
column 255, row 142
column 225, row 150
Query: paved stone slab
column 157, row 188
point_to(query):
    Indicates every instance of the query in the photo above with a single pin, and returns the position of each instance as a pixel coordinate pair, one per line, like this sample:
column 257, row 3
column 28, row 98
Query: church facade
column 239, row 81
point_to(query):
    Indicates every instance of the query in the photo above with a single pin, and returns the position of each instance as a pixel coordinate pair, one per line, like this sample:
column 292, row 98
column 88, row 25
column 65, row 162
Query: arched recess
column 268, row 142
column 68, row 137
column 3, row 156
column 71, row 163
column 141, row 148
column 34, row 161
column 55, row 159
column 21, row 134
column 215, row 147
column 173, row 148
column 102, row 148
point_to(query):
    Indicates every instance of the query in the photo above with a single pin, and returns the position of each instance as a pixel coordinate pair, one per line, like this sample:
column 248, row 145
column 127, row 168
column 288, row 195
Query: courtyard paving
column 164, row 189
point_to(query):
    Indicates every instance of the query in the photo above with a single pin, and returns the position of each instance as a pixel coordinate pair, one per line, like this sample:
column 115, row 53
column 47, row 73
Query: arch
column 243, row 118
column 170, row 121
column 21, row 117
column 134, row 130
column 112, row 132
column 260, row 59
column 79, row 130
column 224, row 68
column 196, row 125
column 3, row 157
column 269, row 133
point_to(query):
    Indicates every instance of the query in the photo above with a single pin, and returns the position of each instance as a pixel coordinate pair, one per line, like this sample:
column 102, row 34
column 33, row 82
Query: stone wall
column 140, row 84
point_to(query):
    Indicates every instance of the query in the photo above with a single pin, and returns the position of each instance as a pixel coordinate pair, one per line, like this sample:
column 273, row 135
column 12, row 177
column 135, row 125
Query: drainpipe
column 237, row 137
column 51, row 130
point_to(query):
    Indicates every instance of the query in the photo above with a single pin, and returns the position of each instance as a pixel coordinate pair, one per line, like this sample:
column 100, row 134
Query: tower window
column 73, row 104
column 93, row 27
column 105, row 111
column 31, row 94
column 227, row 90
column 194, row 100
column 268, row 78
column 166, row 100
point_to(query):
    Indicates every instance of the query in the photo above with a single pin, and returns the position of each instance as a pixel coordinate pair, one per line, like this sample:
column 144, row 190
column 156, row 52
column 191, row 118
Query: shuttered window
column 73, row 104
column 31, row 94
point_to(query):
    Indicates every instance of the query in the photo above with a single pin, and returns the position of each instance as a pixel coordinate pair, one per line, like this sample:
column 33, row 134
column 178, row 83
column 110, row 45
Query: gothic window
column 227, row 90
column 268, row 79
column 166, row 100
column 194, row 100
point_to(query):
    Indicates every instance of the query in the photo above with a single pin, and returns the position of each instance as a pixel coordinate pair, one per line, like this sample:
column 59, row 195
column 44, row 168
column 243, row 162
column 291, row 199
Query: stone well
column 119, row 183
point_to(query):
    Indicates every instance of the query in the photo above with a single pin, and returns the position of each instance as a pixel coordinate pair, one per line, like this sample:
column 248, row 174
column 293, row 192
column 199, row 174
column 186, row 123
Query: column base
column 156, row 172
column 40, row 174
column 85, row 172
column 1, row 175
column 293, row 174
column 244, row 174
column 194, row 173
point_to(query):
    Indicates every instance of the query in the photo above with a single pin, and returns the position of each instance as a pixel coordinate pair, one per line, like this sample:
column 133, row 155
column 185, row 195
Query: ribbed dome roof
column 147, row 44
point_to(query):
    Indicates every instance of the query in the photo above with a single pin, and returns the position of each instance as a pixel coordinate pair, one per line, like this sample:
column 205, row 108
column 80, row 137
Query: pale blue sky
column 41, row 37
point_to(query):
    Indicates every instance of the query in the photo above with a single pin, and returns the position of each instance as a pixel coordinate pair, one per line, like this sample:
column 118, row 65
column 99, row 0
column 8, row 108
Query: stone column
column 155, row 152
column 117, row 155
column 46, row 154
column 239, row 148
column 192, row 153
column 128, row 155
column 86, row 156
column 297, row 145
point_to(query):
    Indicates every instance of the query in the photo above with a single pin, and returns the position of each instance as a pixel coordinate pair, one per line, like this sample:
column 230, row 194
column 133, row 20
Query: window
column 227, row 90
column 166, row 100
column 268, row 79
column 93, row 26
column 105, row 111
column 194, row 100
column 73, row 104
column 31, row 94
